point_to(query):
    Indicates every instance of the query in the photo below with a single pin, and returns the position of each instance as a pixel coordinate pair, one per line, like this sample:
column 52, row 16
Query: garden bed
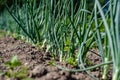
column 38, row 62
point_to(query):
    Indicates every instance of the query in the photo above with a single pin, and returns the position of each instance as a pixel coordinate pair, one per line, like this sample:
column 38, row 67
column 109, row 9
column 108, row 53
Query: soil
column 38, row 62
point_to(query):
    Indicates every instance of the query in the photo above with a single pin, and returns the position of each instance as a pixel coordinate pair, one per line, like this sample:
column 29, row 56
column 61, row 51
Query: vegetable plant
column 69, row 30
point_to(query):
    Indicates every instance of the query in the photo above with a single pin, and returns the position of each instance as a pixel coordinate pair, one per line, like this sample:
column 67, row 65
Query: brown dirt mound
column 38, row 62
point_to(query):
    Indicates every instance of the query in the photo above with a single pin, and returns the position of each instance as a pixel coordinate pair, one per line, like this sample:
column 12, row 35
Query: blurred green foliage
column 2, row 2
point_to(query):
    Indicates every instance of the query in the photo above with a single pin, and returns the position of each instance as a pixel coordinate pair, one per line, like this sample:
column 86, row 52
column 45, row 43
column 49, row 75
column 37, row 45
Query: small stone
column 52, row 76
column 79, row 76
column 39, row 71
column 51, row 68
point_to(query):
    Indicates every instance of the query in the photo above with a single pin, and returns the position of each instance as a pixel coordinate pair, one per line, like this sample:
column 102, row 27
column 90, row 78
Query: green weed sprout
column 13, row 73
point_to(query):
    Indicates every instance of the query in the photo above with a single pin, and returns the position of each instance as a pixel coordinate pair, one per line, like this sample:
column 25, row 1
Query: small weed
column 52, row 62
column 14, row 72
column 71, row 61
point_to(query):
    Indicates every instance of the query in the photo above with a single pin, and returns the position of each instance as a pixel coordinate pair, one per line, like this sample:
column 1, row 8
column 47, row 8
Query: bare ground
column 38, row 62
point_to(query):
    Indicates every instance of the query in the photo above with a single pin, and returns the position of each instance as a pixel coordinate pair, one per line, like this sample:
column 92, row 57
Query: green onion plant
column 71, row 29
column 112, row 32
